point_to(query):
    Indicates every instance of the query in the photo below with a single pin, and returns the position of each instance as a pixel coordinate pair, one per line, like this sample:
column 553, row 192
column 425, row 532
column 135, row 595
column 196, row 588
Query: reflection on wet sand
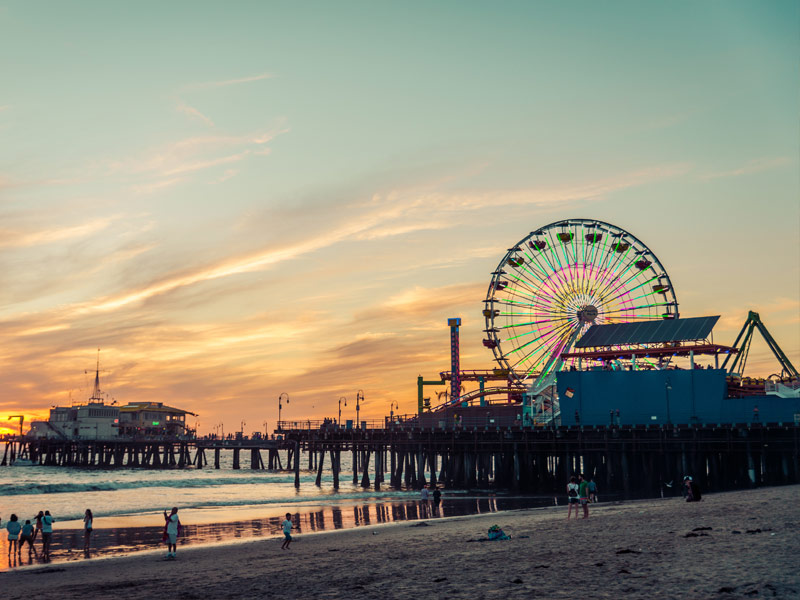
column 68, row 544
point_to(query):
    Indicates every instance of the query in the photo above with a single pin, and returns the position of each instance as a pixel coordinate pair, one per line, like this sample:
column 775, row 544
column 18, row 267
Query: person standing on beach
column 572, row 496
column 171, row 528
column 87, row 530
column 38, row 528
column 287, row 531
column 437, row 499
column 47, row 534
column 424, row 498
column 13, row 527
column 583, row 494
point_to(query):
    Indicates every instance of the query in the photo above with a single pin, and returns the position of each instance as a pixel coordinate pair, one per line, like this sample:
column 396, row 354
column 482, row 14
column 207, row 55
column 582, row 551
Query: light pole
column 243, row 424
column 266, row 431
column 359, row 400
column 667, row 388
column 283, row 396
column 392, row 406
column 339, row 422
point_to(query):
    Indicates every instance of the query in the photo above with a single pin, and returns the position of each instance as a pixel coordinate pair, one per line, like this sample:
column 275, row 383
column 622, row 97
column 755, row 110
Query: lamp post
column 266, row 431
column 339, row 422
column 667, row 388
column 392, row 406
column 243, row 424
column 283, row 396
column 359, row 400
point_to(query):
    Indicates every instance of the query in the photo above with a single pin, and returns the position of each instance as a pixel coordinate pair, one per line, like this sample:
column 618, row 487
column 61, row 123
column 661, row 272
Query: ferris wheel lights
column 501, row 285
column 565, row 237
column 642, row 264
column 593, row 237
column 621, row 246
column 538, row 244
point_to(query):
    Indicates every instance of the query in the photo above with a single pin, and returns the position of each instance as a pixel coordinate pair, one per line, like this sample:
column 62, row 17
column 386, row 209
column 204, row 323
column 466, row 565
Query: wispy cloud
column 16, row 239
column 229, row 82
column 191, row 111
column 754, row 166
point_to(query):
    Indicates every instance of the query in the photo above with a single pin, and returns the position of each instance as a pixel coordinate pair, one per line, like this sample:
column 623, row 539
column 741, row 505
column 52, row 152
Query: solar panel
column 648, row 332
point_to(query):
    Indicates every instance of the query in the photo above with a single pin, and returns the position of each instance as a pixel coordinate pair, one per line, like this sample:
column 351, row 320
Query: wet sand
column 732, row 545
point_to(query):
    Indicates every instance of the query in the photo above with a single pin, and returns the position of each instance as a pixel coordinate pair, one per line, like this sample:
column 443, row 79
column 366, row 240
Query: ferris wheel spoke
column 629, row 290
column 543, row 344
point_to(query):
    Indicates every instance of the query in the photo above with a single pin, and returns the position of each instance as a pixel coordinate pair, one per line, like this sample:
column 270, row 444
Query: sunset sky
column 235, row 200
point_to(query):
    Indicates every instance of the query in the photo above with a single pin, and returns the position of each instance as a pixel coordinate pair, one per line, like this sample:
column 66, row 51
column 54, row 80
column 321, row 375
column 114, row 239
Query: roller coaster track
column 475, row 395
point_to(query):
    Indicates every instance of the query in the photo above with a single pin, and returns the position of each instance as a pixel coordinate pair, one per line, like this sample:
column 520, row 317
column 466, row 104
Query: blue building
column 658, row 397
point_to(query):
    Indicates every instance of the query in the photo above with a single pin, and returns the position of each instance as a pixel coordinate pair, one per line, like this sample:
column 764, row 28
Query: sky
column 238, row 200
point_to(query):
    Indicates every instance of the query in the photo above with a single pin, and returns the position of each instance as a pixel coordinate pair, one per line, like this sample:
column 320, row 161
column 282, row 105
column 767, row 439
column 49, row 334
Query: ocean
column 215, row 505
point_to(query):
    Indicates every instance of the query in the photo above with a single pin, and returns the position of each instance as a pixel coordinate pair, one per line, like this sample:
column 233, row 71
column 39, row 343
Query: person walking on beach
column 583, row 494
column 13, row 527
column 26, row 536
column 287, row 531
column 87, row 530
column 437, row 499
column 424, row 499
column 592, row 490
column 572, row 496
column 171, row 529
column 47, row 534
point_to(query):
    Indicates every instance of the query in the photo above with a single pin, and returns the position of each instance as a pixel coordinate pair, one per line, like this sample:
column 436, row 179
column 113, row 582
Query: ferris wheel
column 560, row 280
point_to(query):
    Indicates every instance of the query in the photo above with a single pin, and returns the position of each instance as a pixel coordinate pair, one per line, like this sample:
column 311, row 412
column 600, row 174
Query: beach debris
column 542, row 567
column 690, row 534
column 628, row 551
column 517, row 580
column 735, row 531
column 600, row 564
column 753, row 531
column 440, row 579
column 702, row 529
column 333, row 549
column 624, row 571
column 420, row 524
column 726, row 590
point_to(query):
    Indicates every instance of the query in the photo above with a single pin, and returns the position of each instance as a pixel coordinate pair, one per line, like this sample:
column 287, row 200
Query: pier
column 629, row 460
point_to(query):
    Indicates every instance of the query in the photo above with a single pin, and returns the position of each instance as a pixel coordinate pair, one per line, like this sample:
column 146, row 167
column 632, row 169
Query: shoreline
column 660, row 548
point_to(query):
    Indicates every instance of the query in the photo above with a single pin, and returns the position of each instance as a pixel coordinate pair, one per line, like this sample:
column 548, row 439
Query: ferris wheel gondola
column 560, row 280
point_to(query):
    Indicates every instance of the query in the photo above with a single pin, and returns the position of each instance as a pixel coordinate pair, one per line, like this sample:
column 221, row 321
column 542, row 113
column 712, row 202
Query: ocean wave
column 32, row 487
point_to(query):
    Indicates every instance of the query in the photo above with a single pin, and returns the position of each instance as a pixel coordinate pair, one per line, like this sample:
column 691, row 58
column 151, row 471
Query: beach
column 741, row 544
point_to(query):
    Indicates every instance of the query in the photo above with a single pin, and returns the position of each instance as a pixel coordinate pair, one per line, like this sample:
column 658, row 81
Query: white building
column 92, row 421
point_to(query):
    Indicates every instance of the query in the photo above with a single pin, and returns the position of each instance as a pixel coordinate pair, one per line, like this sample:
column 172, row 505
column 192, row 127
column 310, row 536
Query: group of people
column 20, row 533
column 428, row 495
column 580, row 492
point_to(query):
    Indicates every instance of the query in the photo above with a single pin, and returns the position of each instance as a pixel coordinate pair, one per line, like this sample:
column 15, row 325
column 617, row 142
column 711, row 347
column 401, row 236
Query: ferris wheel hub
column 587, row 314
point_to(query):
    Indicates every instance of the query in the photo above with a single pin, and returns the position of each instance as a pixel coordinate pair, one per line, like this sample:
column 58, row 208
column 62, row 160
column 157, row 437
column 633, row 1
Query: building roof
column 648, row 332
column 154, row 407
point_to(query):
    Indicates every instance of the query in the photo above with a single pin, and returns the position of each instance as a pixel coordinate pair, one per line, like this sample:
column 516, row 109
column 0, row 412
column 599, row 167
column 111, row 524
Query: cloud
column 50, row 236
column 194, row 113
column 754, row 166
column 229, row 82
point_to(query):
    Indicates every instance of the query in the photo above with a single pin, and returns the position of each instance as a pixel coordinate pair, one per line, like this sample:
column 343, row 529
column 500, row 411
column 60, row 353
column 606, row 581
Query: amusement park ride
column 553, row 287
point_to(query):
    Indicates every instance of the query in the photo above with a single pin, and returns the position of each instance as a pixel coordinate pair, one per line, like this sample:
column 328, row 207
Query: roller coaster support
column 754, row 322
column 420, row 383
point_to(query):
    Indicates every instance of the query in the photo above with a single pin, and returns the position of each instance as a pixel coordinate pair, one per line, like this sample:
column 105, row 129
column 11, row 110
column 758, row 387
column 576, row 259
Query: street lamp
column 392, row 406
column 667, row 388
column 342, row 399
column 283, row 396
column 266, row 431
column 359, row 400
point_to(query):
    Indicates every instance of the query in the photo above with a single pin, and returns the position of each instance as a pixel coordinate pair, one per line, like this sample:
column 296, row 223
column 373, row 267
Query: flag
column 569, row 393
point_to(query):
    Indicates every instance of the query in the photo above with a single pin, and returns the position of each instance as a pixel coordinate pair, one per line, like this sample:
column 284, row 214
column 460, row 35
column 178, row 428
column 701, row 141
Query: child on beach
column 13, row 527
column 171, row 530
column 287, row 529
column 38, row 527
column 26, row 535
column 87, row 529
column 583, row 493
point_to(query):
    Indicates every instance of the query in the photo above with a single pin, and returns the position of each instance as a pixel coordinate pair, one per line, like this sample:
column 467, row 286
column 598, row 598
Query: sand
column 732, row 545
